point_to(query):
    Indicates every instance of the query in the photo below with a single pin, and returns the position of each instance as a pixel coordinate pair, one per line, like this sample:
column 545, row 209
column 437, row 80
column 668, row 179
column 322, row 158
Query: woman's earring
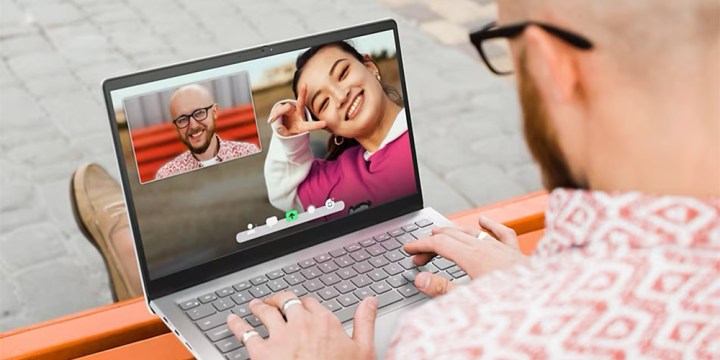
column 377, row 76
column 339, row 142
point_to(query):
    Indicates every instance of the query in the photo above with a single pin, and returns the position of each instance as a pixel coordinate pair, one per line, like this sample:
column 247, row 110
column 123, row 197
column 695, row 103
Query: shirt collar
column 221, row 154
column 399, row 127
column 600, row 222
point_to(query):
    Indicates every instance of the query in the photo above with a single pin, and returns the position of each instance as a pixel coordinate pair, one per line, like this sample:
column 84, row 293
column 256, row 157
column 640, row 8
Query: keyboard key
column 408, row 290
column 410, row 228
column 260, row 291
column 338, row 252
column 393, row 269
column 328, row 293
column 328, row 267
column 294, row 279
column 262, row 331
column 242, row 310
column 241, row 297
column 397, row 281
column 391, row 244
column 362, row 280
column 405, row 238
column 277, row 285
column 442, row 263
column 313, row 285
column 311, row 273
column 367, row 242
column 380, row 287
column 382, row 237
column 225, row 292
column 364, row 293
column 352, row 247
column 223, row 304
column 344, row 261
column 346, row 273
column 200, row 311
column 407, row 263
column 212, row 321
column 411, row 274
column 377, row 274
column 330, row 279
column 189, row 304
column 346, row 314
column 453, row 269
column 242, row 286
column 375, row 250
column 360, row 255
column 423, row 222
column 291, row 268
column 307, row 263
column 379, row 261
column 228, row 344
column 388, row 298
column 446, row 275
column 219, row 333
column 208, row 298
column 275, row 274
column 396, row 232
column 259, row 280
column 322, row 258
column 345, row 287
column 393, row 256
column 362, row 267
column 347, row 300
column 331, row 305
column 458, row 274
column 239, row 354
column 429, row 268
column 298, row 290
column 253, row 320
column 422, row 233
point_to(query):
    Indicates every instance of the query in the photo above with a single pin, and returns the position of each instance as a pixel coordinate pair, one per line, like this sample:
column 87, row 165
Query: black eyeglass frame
column 192, row 115
column 492, row 31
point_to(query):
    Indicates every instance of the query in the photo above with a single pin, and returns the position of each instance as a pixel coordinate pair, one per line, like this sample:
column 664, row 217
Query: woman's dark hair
column 335, row 150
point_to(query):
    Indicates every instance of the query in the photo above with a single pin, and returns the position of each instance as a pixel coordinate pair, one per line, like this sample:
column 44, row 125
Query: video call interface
column 212, row 172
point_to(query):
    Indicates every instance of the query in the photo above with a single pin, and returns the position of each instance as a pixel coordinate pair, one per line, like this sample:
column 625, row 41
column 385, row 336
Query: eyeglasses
column 200, row 114
column 493, row 43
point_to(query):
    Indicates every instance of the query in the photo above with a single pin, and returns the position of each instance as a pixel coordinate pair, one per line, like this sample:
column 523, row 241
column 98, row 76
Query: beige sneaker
column 101, row 215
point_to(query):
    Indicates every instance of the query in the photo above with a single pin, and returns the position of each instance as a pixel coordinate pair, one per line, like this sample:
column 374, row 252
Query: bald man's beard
column 539, row 135
column 209, row 135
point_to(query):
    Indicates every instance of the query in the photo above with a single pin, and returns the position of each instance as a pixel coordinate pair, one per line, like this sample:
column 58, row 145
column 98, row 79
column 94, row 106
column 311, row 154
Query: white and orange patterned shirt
column 185, row 162
column 622, row 275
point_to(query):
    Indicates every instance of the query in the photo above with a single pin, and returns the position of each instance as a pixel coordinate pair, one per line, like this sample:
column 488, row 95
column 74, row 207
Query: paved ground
column 55, row 53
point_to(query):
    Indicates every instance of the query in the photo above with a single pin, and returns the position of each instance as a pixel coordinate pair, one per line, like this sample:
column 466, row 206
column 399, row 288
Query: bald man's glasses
column 200, row 114
column 493, row 43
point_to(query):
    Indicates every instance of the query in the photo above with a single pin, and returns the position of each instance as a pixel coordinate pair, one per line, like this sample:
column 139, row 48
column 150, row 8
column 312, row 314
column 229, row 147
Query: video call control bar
column 291, row 219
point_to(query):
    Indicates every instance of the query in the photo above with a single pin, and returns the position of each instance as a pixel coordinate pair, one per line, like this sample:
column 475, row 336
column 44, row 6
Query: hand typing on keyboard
column 466, row 247
column 307, row 331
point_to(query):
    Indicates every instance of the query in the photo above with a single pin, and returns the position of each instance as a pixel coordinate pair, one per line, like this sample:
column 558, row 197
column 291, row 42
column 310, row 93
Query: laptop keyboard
column 339, row 279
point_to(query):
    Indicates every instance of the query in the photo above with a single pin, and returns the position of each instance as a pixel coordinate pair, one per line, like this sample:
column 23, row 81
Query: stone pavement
column 55, row 53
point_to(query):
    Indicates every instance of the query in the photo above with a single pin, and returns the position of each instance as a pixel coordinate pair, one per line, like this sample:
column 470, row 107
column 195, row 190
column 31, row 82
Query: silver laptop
column 224, row 209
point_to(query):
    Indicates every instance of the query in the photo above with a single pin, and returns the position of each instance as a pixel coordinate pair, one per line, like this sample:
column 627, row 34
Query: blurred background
column 54, row 55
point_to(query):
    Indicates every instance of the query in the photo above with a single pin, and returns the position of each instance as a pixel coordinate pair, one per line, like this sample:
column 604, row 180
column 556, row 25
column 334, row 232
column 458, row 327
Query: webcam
column 266, row 49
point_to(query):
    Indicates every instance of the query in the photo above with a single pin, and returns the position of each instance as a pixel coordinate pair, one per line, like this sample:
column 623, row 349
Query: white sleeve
column 287, row 165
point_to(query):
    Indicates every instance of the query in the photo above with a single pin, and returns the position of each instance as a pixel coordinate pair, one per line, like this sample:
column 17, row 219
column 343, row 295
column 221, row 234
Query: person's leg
column 101, row 215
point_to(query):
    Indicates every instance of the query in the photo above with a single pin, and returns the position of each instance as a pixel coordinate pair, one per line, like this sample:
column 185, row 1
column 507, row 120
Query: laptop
column 224, row 209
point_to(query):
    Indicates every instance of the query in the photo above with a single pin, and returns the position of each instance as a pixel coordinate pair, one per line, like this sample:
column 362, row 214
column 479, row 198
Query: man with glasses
column 194, row 111
column 621, row 105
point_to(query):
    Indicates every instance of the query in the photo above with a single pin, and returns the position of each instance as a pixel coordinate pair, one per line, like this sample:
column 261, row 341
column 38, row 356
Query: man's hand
column 462, row 246
column 307, row 331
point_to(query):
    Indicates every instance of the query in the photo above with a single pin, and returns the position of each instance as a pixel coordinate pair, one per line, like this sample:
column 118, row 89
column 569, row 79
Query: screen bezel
column 155, row 288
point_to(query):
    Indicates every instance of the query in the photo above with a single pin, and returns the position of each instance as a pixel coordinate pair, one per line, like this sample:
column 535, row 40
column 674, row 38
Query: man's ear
column 551, row 63
column 370, row 64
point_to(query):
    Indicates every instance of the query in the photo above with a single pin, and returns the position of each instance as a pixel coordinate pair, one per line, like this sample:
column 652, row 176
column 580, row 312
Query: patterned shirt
column 621, row 275
column 185, row 162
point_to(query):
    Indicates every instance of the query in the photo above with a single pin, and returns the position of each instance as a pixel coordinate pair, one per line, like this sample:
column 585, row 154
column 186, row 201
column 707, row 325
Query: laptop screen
column 232, row 157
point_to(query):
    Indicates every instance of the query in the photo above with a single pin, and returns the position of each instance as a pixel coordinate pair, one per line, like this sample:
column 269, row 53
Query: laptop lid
column 211, row 188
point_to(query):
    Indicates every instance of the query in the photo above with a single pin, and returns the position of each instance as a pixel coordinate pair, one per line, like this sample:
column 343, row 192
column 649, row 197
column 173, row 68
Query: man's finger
column 433, row 285
column 364, row 323
column 503, row 233
column 279, row 299
column 441, row 244
column 462, row 235
column 238, row 327
column 422, row 259
column 269, row 315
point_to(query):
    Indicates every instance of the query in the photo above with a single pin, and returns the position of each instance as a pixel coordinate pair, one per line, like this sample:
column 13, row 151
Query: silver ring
column 288, row 303
column 483, row 235
column 247, row 335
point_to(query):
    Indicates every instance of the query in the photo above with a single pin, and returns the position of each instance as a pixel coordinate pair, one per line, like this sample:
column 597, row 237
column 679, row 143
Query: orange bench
column 127, row 330
column 156, row 145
